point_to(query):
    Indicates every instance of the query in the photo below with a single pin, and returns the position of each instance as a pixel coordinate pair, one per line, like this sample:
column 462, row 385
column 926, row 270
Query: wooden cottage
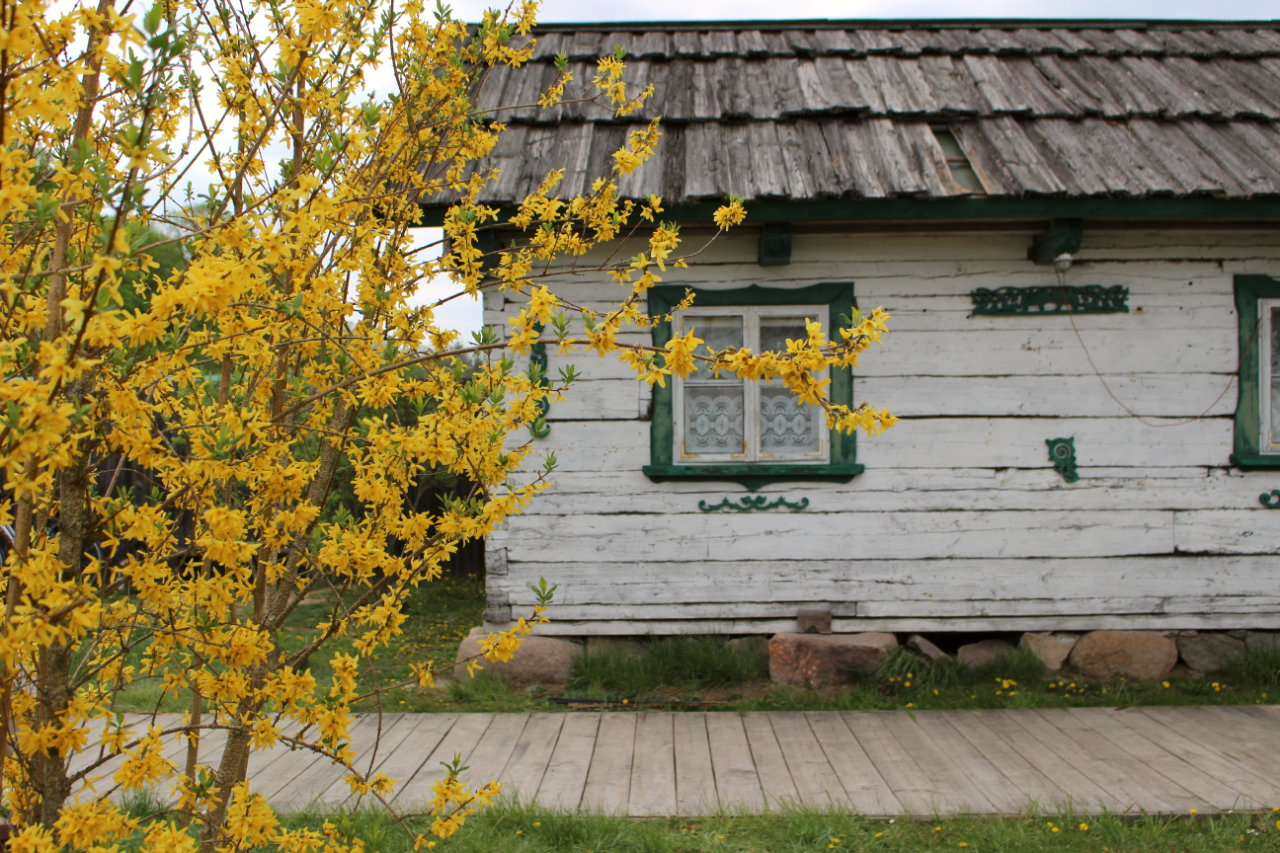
column 1092, row 443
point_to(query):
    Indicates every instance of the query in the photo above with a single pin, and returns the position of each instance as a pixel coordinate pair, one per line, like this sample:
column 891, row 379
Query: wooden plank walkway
column 884, row 763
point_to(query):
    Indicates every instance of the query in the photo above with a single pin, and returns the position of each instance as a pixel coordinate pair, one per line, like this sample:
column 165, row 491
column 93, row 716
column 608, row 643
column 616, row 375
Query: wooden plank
column 737, row 782
column 570, row 761
column 1124, row 794
column 878, row 535
column 653, row 768
column 1036, row 792
column 1224, row 737
column 1156, row 758
column 1253, row 790
column 401, row 764
column 694, row 772
column 528, row 763
column 1171, row 797
column 911, row 786
column 956, row 793
column 994, row 442
column 490, row 757
column 771, row 765
column 817, row 785
column 868, row 792
column 371, row 743
column 971, row 770
column 608, row 788
column 456, row 745
column 1245, row 723
column 1082, row 793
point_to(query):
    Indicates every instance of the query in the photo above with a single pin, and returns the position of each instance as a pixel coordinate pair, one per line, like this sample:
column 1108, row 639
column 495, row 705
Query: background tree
column 243, row 347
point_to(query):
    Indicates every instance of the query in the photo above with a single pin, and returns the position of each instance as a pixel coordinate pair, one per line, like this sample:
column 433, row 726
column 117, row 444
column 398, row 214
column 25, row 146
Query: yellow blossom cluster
column 220, row 396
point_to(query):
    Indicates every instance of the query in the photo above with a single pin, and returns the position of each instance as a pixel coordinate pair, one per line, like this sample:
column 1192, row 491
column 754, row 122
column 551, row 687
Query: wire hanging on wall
column 1063, row 263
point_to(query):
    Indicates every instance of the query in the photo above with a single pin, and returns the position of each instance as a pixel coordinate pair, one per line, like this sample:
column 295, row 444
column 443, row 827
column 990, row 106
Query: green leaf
column 152, row 19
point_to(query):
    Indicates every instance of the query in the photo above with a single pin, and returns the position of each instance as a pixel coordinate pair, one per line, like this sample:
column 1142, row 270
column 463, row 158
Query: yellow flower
column 1192, row 811
column 536, row 824
column 1084, row 827
column 1164, row 684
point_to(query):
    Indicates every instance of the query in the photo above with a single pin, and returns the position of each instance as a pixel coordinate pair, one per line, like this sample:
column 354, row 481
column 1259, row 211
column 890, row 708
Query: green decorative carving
column 752, row 502
column 1064, row 299
column 1062, row 453
column 538, row 359
column 1271, row 500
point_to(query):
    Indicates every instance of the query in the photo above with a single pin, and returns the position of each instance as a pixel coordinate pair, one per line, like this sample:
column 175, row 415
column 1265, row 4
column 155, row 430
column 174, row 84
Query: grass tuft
column 681, row 661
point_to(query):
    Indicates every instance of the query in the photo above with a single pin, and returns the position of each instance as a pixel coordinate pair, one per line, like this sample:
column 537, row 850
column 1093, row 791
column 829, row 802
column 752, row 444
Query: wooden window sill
column 754, row 476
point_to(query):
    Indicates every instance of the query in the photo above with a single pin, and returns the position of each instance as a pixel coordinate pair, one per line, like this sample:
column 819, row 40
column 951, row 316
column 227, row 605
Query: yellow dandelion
column 1084, row 827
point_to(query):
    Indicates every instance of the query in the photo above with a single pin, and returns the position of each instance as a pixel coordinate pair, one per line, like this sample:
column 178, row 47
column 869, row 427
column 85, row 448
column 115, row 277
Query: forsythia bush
column 238, row 383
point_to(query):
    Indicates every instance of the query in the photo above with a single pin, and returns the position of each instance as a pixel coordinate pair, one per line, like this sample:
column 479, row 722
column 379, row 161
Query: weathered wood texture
column 960, row 521
column 1152, row 760
column 830, row 111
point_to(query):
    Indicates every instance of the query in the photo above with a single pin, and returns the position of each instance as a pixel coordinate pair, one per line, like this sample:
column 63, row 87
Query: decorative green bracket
column 1062, row 453
column 1065, row 299
column 775, row 244
column 1064, row 237
column 1271, row 500
column 538, row 356
column 753, row 502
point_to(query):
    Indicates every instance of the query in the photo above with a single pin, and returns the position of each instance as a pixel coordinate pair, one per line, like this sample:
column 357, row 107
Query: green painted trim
column 1248, row 450
column 968, row 208
column 1065, row 299
column 844, row 447
column 1255, row 461
column 775, row 244
column 754, row 476
column 1062, row 453
column 1271, row 499
column 751, row 503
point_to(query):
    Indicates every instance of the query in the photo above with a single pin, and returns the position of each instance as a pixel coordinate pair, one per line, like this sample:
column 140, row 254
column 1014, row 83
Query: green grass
column 523, row 829
column 440, row 615
column 681, row 662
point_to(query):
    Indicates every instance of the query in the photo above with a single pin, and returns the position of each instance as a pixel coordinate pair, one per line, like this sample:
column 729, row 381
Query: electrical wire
column 1230, row 381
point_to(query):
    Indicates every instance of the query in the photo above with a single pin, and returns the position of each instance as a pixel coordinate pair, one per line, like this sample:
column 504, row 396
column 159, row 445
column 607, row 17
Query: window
column 1257, row 433
column 748, row 432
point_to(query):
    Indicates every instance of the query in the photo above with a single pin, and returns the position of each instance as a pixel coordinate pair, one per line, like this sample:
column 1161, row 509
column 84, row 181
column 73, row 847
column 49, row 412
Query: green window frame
column 841, row 466
column 1252, row 292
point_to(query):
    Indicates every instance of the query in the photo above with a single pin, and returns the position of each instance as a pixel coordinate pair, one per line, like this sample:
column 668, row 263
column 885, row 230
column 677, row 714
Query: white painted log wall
column 959, row 522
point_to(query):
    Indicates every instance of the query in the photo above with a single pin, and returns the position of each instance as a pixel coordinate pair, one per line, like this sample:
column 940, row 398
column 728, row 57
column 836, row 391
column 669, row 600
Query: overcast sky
column 710, row 10
column 465, row 314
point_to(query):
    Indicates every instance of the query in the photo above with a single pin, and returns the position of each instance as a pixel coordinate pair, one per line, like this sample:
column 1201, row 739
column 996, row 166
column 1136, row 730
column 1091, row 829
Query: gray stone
column 1209, row 651
column 926, row 649
column 826, row 660
column 1239, row 634
column 1262, row 641
column 813, row 622
column 1051, row 649
column 539, row 660
column 983, row 653
column 1138, row 654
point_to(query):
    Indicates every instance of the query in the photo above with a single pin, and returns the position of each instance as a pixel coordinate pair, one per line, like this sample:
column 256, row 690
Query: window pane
column 787, row 426
column 713, row 421
column 717, row 333
column 776, row 331
column 1275, row 375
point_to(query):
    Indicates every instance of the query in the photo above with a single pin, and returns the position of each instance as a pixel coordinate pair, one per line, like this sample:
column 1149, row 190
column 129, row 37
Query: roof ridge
column 910, row 24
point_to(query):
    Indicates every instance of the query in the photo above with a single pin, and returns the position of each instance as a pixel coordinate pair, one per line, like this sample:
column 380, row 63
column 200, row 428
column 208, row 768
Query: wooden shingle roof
column 805, row 110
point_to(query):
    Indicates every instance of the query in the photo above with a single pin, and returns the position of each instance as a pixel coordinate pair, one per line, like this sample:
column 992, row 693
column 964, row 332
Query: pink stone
column 826, row 660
